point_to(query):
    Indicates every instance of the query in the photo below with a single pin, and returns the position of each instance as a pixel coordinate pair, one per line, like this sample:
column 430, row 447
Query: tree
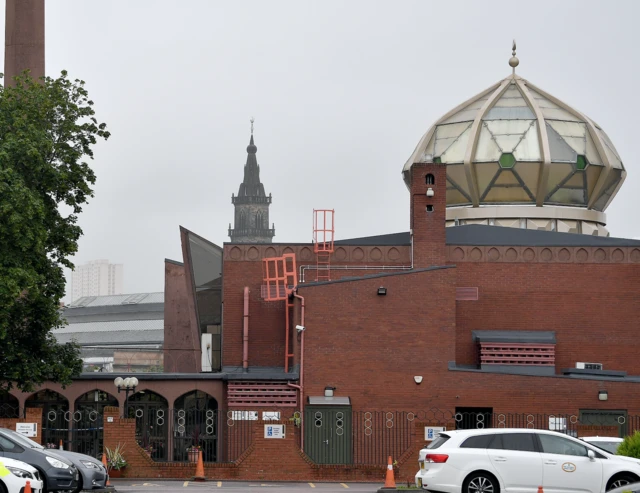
column 47, row 131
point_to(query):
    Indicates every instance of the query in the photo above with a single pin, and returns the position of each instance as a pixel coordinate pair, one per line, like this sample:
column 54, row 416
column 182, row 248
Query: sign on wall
column 27, row 429
column 430, row 432
column 274, row 431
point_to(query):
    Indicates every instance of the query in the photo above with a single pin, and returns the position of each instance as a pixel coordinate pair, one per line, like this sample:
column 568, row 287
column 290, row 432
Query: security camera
column 300, row 328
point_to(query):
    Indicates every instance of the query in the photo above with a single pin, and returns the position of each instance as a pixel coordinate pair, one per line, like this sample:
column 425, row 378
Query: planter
column 116, row 473
column 193, row 455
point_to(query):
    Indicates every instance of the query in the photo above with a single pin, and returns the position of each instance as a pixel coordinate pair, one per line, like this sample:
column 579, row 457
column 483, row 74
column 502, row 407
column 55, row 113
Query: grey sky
column 341, row 91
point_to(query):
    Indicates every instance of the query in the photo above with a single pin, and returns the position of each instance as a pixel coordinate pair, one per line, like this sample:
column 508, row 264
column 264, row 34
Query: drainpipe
column 245, row 332
column 301, row 386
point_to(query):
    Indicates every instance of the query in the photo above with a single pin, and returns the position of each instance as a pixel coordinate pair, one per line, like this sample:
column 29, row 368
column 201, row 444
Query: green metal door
column 327, row 434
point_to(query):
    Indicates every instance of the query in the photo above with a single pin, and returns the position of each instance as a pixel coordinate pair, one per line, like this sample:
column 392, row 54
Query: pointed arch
column 9, row 406
column 195, row 425
column 151, row 412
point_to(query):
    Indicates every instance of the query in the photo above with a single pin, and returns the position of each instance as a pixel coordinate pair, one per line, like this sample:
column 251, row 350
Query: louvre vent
column 277, row 394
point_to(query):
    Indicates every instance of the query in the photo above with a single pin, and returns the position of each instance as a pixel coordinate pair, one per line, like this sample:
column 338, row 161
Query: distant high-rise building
column 96, row 278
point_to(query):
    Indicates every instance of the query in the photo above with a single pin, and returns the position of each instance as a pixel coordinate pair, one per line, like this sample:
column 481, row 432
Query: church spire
column 251, row 224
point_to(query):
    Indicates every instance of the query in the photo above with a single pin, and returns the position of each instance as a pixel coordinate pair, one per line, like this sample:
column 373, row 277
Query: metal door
column 328, row 435
column 151, row 427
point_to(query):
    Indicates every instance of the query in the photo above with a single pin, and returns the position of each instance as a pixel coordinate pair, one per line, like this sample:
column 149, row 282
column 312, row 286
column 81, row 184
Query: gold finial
column 252, row 120
column 513, row 61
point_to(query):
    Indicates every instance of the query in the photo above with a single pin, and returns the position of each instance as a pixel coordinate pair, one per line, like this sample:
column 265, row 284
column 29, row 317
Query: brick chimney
column 23, row 39
column 428, row 213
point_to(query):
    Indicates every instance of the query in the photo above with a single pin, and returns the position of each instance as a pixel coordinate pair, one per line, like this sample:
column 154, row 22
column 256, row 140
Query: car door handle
column 551, row 462
column 500, row 459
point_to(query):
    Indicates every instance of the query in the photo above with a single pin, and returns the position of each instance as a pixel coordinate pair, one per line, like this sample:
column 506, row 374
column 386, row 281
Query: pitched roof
column 480, row 235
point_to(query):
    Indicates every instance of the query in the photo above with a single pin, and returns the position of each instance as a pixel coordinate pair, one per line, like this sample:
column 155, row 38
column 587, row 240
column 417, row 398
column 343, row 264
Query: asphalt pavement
column 150, row 486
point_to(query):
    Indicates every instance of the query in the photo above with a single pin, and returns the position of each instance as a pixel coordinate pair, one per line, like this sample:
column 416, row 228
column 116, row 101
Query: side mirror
column 592, row 455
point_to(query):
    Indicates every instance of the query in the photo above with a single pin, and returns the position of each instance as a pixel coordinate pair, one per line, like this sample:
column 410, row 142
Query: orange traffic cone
column 104, row 463
column 390, row 481
column 61, row 447
column 199, row 468
column 540, row 490
column 27, row 487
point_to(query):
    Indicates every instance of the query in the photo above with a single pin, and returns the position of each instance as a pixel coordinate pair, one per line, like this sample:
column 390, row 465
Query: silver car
column 92, row 473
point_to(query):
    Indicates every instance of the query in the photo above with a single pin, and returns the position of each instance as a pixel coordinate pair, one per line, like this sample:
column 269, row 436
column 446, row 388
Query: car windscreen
column 438, row 441
column 611, row 447
column 23, row 440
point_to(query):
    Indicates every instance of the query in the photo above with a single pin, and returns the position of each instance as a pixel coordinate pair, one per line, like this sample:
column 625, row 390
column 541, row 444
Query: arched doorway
column 151, row 411
column 88, row 422
column 195, row 423
column 55, row 417
column 9, row 406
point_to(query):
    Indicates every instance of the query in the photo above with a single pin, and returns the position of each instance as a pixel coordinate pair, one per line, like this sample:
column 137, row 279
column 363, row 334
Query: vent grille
column 517, row 354
column 277, row 394
column 466, row 294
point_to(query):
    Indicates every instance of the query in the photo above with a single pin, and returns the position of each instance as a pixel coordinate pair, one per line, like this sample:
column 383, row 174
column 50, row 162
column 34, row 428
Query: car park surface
column 519, row 460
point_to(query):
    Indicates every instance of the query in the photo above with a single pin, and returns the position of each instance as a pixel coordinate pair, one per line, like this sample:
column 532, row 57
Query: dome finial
column 513, row 61
column 252, row 119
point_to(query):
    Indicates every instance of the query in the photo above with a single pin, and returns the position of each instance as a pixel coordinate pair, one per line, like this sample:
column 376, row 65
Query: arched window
column 431, row 179
column 55, row 417
column 195, row 424
column 259, row 222
column 151, row 411
column 9, row 406
column 243, row 220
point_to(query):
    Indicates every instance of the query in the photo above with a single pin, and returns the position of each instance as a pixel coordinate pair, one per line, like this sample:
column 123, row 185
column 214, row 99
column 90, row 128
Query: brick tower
column 251, row 220
column 23, row 38
column 428, row 213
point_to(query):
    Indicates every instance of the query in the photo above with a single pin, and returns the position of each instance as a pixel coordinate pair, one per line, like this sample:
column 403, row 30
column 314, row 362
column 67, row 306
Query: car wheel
column 3, row 488
column 620, row 481
column 481, row 482
column 79, row 487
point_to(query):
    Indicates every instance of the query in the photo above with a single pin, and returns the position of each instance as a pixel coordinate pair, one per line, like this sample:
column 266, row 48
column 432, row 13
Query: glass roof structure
column 515, row 144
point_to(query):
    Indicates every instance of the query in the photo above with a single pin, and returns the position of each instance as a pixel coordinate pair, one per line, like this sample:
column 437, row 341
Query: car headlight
column 89, row 465
column 21, row 473
column 57, row 463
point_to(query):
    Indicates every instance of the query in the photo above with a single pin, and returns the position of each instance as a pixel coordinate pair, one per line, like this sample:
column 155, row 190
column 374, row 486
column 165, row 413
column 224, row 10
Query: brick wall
column 371, row 347
column 597, row 431
column 264, row 460
column 33, row 415
column 593, row 308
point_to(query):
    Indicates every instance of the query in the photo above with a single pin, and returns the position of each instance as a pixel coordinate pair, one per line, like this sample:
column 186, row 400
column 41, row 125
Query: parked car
column 627, row 488
column 496, row 460
column 609, row 444
column 56, row 472
column 14, row 475
column 92, row 473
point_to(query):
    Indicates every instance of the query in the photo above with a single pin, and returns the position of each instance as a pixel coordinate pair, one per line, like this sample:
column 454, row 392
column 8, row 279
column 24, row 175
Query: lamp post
column 127, row 385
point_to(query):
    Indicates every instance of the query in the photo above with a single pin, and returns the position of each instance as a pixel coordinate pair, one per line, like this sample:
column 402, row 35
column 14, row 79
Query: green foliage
column 630, row 447
column 115, row 457
column 47, row 129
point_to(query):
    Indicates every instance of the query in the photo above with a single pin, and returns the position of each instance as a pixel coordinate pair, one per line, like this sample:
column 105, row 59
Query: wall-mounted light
column 603, row 395
column 382, row 291
column 430, row 192
column 418, row 379
column 328, row 391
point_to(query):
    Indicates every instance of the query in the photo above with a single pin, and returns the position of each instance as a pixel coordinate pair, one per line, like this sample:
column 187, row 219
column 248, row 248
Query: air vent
column 589, row 366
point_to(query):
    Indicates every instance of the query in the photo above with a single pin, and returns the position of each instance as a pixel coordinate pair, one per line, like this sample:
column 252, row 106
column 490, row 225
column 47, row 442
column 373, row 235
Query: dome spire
column 513, row 61
column 251, row 148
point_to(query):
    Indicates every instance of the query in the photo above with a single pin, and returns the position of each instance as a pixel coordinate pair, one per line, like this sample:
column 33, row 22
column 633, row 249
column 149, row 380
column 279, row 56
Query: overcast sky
column 341, row 92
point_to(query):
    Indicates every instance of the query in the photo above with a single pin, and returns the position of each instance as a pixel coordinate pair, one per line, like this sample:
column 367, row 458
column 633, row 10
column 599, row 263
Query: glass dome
column 517, row 156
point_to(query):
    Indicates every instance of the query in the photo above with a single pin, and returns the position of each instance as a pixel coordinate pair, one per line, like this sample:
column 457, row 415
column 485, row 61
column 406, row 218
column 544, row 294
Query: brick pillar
column 34, row 415
column 428, row 213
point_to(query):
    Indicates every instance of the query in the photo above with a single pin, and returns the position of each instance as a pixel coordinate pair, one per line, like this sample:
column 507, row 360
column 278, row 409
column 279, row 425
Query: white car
column 495, row 460
column 609, row 444
column 14, row 475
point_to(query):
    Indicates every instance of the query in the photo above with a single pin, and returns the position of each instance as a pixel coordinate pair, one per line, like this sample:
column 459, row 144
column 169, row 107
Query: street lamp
column 128, row 384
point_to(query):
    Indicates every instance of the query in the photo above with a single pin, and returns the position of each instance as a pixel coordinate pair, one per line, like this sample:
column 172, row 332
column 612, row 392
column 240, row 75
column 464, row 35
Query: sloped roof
column 118, row 332
column 118, row 299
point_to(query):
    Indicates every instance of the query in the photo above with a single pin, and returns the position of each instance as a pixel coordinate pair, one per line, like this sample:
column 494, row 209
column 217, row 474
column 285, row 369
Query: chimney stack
column 24, row 39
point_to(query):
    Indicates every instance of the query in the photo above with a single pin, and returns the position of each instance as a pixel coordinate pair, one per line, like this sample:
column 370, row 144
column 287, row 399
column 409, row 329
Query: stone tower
column 251, row 221
column 24, row 38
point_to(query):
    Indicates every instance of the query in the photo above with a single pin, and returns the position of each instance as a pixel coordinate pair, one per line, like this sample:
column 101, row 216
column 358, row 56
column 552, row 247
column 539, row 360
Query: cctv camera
column 299, row 328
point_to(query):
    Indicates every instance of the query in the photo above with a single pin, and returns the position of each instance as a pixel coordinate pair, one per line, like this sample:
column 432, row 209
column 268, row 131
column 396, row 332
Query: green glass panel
column 437, row 160
column 507, row 160
column 581, row 163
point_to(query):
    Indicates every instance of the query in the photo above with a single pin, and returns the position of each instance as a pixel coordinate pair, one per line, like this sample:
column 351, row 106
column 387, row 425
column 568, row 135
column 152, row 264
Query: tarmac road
column 149, row 486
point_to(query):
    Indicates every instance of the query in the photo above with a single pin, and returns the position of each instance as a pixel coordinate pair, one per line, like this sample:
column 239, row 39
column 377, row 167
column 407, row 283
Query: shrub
column 630, row 447
column 115, row 458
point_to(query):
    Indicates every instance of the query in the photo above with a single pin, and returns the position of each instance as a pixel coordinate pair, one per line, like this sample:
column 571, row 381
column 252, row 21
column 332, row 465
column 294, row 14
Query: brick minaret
column 428, row 213
column 24, row 38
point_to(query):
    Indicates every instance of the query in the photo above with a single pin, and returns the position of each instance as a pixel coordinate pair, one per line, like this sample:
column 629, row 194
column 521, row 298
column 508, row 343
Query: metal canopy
column 329, row 401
